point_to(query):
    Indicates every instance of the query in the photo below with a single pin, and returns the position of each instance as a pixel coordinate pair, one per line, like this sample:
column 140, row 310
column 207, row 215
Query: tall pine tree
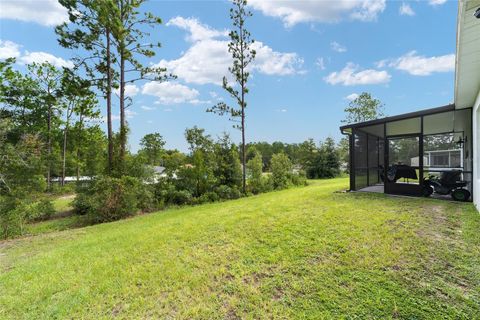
column 243, row 55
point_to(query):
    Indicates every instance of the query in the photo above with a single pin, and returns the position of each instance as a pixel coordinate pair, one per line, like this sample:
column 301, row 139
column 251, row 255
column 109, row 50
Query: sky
column 313, row 58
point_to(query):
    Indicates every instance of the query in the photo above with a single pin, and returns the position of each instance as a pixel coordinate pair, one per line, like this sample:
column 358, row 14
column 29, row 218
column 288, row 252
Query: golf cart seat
column 452, row 179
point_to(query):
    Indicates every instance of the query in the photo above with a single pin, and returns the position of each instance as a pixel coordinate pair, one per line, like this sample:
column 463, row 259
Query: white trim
column 476, row 152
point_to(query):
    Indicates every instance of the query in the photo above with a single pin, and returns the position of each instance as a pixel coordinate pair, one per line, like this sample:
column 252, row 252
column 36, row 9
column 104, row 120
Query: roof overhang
column 467, row 59
column 426, row 112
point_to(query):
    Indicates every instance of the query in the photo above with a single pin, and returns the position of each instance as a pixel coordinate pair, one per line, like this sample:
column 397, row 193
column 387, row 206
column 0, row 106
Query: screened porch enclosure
column 407, row 153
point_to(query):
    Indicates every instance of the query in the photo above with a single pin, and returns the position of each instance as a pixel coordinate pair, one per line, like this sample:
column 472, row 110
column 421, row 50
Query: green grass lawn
column 63, row 203
column 299, row 253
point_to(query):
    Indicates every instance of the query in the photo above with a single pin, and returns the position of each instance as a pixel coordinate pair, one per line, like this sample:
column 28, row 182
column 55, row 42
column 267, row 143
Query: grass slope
column 300, row 253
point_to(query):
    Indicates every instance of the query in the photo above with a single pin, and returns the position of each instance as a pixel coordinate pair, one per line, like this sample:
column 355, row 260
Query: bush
column 12, row 217
column 41, row 210
column 254, row 169
column 299, row 179
column 110, row 199
column 267, row 183
column 207, row 197
column 82, row 203
column 226, row 192
column 16, row 212
column 146, row 198
column 281, row 167
column 178, row 197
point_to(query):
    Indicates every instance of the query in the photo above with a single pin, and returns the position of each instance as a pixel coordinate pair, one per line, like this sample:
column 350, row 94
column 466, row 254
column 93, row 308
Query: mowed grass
column 300, row 253
column 63, row 203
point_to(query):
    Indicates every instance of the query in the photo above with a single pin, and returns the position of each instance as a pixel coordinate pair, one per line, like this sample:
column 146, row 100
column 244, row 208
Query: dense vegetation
column 297, row 253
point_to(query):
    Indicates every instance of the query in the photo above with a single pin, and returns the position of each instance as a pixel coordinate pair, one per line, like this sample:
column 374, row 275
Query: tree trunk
column 49, row 147
column 123, row 133
column 109, row 106
column 79, row 143
column 64, row 153
column 244, row 155
column 123, row 129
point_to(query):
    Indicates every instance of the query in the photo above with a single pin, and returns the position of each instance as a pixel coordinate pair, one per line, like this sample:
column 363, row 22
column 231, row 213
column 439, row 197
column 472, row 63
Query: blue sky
column 313, row 56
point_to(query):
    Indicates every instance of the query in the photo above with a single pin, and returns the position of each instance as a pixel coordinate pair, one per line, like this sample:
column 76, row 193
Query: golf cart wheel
column 427, row 191
column 460, row 195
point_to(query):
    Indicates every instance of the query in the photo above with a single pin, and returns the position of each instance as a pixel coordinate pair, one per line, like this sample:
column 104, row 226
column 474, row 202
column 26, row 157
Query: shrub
column 110, row 199
column 82, row 203
column 179, row 197
column 208, row 197
column 146, row 198
column 299, row 179
column 281, row 168
column 267, row 183
column 227, row 192
column 254, row 169
column 161, row 191
column 41, row 210
column 12, row 217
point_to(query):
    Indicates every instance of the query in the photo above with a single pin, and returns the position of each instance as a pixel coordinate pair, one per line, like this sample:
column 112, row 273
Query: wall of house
column 476, row 152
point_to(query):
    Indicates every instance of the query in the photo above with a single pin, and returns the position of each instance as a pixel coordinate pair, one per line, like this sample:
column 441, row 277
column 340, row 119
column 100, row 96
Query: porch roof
column 449, row 107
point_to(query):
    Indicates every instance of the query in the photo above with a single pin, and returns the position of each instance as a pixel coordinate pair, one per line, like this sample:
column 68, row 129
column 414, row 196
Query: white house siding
column 476, row 153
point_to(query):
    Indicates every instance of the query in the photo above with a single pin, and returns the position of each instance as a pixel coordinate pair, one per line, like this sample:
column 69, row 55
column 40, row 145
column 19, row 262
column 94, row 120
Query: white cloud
column 45, row 12
column 420, row 65
column 204, row 62
column 337, row 47
column 320, row 63
column 130, row 114
column 208, row 59
column 406, row 10
column 197, row 31
column 40, row 57
column 171, row 93
column 436, row 2
column 352, row 96
column 282, row 110
column 131, row 90
column 147, row 108
column 9, row 49
column 272, row 62
column 351, row 75
column 293, row 12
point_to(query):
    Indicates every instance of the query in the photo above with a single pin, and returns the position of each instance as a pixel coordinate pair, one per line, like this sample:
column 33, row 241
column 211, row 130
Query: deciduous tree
column 363, row 108
column 152, row 147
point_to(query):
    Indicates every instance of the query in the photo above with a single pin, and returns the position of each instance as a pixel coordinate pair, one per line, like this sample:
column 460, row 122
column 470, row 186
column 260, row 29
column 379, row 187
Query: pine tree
column 243, row 55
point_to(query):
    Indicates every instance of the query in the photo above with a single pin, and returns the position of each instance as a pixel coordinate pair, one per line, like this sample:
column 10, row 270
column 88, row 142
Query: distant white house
column 440, row 159
column 71, row 179
column 159, row 172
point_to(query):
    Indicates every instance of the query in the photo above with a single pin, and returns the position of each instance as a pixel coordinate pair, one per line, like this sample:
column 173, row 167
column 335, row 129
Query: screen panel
column 408, row 126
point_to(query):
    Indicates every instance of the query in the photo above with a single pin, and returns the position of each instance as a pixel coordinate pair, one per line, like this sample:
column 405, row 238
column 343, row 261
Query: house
column 393, row 155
